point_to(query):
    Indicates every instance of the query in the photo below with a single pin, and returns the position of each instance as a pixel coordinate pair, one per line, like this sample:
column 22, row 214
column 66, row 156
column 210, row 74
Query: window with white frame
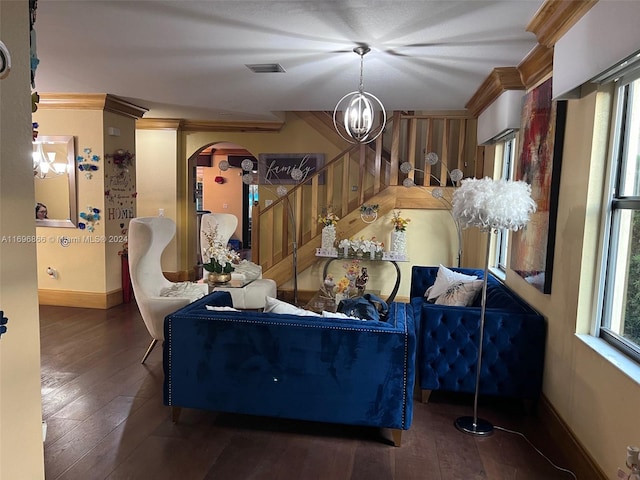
column 502, row 237
column 620, row 321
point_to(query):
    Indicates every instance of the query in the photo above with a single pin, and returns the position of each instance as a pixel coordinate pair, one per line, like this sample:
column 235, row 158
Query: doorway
column 218, row 187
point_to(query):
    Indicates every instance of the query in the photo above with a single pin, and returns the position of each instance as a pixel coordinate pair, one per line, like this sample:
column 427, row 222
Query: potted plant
column 221, row 259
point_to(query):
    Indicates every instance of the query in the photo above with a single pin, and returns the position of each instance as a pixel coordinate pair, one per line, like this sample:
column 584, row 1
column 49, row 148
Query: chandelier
column 45, row 165
column 355, row 116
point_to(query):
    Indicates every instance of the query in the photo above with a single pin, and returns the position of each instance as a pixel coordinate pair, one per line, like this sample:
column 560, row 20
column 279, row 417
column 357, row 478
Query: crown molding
column 550, row 23
column 90, row 101
column 211, row 126
column 159, row 124
column 538, row 64
column 556, row 17
column 499, row 80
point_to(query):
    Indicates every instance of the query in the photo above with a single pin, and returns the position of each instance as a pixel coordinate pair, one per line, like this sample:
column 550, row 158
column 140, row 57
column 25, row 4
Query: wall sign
column 275, row 168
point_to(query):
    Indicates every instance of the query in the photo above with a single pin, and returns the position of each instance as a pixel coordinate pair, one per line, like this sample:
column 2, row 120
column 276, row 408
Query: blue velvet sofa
column 331, row 370
column 513, row 343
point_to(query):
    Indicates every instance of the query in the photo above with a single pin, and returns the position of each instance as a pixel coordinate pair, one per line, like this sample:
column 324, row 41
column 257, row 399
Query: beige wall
column 89, row 267
column 157, row 182
column 21, row 448
column 597, row 400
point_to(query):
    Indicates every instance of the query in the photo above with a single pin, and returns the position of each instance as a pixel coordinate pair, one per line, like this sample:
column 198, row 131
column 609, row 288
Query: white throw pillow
column 444, row 280
column 326, row 314
column 192, row 291
column 460, row 294
column 222, row 309
column 273, row 305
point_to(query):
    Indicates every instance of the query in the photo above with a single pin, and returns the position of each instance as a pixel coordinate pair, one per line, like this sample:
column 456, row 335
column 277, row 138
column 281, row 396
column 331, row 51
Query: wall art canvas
column 538, row 163
column 275, row 168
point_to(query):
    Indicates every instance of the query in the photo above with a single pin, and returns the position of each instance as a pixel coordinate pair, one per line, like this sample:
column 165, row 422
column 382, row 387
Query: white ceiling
column 186, row 59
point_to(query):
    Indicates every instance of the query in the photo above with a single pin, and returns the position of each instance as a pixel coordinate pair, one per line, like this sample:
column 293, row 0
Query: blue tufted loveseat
column 331, row 370
column 513, row 346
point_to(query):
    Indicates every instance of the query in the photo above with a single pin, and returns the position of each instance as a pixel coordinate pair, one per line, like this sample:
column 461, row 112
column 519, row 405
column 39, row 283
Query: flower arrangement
column 352, row 269
column 399, row 223
column 90, row 217
column 344, row 243
column 221, row 258
column 329, row 220
column 369, row 209
column 88, row 163
column 359, row 246
column 342, row 286
column 122, row 158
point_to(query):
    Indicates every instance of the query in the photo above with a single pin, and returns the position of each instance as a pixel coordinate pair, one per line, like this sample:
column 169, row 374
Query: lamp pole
column 474, row 425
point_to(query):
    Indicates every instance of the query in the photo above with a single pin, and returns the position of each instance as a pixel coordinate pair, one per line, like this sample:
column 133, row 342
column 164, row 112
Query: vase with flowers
column 329, row 221
column 399, row 233
column 220, row 259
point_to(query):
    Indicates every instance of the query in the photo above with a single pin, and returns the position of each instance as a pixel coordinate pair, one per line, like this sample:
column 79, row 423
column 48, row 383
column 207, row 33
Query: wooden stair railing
column 372, row 169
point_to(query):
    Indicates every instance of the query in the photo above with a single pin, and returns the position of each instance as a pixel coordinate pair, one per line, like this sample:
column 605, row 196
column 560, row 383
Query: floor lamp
column 490, row 205
column 455, row 175
column 297, row 175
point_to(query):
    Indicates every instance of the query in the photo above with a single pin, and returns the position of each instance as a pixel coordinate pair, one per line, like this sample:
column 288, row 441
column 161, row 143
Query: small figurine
column 328, row 284
column 361, row 281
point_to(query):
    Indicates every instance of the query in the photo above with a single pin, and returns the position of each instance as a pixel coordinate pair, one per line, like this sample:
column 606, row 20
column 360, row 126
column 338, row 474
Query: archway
column 216, row 189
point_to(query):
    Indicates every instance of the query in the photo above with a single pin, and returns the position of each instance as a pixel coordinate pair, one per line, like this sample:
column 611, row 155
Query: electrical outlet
column 354, row 188
column 225, row 205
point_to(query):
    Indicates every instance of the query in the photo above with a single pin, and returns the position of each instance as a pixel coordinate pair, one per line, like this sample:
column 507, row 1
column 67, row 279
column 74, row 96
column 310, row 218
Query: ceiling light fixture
column 45, row 165
column 358, row 111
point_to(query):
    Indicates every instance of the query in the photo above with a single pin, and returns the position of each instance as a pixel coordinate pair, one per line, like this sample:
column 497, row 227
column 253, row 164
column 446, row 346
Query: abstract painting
column 538, row 164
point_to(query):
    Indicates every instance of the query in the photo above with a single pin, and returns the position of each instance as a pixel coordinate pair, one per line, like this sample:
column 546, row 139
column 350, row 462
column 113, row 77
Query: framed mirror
column 54, row 174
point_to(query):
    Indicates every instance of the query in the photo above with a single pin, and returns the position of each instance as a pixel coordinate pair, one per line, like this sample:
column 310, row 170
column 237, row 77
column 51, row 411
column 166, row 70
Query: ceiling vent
column 266, row 68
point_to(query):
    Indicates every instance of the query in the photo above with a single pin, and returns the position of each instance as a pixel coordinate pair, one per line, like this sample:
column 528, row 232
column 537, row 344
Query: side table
column 396, row 286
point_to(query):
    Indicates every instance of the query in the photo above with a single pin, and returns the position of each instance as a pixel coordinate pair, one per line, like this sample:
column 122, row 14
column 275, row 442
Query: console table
column 387, row 257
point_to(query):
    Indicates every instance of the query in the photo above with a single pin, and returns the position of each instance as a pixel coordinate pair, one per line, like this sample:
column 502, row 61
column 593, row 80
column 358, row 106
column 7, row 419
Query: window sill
column 619, row 360
column 500, row 274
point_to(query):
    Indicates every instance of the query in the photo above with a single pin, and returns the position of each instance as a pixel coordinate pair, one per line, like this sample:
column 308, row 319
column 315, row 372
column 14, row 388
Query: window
column 620, row 322
column 502, row 238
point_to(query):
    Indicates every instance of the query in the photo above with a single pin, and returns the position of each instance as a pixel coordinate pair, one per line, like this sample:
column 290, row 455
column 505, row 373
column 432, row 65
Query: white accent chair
column 253, row 295
column 156, row 296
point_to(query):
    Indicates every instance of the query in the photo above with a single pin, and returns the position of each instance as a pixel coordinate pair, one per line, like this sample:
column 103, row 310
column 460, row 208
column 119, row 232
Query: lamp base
column 480, row 427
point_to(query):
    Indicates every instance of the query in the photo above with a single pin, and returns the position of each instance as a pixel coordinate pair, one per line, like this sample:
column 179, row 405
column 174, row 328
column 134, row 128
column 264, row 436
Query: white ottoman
column 251, row 296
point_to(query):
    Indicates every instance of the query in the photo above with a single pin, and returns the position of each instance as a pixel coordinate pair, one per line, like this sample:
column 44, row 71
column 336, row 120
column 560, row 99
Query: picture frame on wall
column 275, row 168
column 538, row 163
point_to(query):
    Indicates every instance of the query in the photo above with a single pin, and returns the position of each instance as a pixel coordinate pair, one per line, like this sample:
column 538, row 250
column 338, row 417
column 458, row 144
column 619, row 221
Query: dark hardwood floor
column 106, row 420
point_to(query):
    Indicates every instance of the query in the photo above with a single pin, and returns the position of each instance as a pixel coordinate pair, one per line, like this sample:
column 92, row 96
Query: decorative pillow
column 190, row 290
column 273, row 305
column 326, row 314
column 460, row 294
column 444, row 280
column 222, row 309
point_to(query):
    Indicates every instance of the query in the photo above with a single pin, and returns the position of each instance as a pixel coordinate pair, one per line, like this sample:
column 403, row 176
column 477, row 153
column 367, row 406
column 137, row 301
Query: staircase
column 374, row 170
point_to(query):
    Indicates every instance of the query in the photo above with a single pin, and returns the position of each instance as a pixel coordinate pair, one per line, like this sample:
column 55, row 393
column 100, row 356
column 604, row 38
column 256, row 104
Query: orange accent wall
column 215, row 196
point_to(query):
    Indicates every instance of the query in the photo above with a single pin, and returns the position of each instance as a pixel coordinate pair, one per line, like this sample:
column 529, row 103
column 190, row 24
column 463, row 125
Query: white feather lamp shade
column 493, row 204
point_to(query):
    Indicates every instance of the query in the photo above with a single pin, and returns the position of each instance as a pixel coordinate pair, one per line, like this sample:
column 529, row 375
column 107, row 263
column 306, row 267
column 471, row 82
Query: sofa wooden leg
column 425, row 396
column 175, row 414
column 396, row 436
